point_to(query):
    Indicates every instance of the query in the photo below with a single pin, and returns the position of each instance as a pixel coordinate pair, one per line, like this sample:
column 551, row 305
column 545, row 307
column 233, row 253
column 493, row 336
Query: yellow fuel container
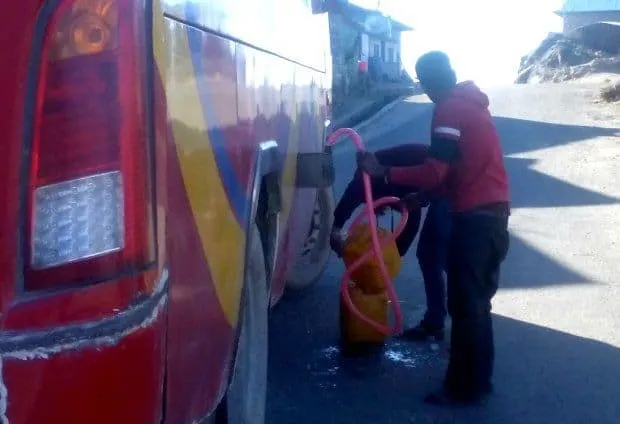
column 366, row 289
column 368, row 276
column 374, row 306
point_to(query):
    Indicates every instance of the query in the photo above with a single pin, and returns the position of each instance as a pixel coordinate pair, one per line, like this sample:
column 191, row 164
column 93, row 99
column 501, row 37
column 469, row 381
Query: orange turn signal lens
column 86, row 27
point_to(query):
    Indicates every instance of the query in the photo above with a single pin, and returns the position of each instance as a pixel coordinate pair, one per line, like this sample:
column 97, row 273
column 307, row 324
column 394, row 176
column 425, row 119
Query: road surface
column 557, row 316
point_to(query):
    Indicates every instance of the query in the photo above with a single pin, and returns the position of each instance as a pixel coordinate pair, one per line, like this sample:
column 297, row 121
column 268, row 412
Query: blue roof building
column 578, row 13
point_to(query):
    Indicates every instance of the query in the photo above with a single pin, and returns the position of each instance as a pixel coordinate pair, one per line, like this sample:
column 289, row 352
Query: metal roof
column 361, row 14
column 580, row 6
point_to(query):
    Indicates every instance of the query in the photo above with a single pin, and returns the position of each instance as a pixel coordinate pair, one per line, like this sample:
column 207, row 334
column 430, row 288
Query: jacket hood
column 470, row 92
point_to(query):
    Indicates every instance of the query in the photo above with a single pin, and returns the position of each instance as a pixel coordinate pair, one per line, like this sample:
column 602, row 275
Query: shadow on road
column 553, row 376
column 533, row 189
column 528, row 267
column 542, row 376
column 522, row 135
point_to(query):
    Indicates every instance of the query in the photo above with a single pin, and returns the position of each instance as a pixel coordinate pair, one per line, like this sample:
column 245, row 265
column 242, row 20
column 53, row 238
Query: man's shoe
column 423, row 332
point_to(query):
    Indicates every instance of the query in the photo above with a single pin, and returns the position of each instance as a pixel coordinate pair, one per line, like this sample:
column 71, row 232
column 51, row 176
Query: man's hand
column 367, row 162
column 336, row 241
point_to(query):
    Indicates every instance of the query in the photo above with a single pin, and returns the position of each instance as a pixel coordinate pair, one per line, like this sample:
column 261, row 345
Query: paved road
column 557, row 315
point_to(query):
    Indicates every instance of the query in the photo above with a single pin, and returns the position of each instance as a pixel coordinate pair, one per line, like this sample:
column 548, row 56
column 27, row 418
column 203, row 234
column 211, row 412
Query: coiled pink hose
column 376, row 244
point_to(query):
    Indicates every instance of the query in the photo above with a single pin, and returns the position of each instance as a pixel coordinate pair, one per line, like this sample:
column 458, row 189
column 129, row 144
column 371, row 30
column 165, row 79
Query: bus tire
column 316, row 250
column 246, row 398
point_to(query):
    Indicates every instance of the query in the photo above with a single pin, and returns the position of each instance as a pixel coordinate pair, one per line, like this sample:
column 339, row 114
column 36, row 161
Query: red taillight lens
column 90, row 203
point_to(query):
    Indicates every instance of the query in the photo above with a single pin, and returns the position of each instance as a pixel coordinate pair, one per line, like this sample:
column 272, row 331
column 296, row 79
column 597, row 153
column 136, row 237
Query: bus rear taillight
column 90, row 199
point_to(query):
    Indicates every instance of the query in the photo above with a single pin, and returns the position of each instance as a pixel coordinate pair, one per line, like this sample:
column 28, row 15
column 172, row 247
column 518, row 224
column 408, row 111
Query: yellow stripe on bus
column 222, row 238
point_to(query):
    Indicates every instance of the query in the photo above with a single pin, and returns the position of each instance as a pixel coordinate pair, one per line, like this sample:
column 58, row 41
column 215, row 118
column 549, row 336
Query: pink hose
column 376, row 244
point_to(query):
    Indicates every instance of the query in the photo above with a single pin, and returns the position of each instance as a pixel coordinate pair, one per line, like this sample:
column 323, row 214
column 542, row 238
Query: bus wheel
column 245, row 401
column 316, row 251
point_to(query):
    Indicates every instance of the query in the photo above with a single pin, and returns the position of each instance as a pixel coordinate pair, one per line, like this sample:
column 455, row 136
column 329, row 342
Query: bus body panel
column 287, row 29
column 16, row 37
column 205, row 239
column 92, row 379
column 224, row 98
column 94, row 354
column 99, row 354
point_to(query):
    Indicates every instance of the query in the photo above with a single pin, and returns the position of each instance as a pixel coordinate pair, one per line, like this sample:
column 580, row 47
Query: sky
column 485, row 39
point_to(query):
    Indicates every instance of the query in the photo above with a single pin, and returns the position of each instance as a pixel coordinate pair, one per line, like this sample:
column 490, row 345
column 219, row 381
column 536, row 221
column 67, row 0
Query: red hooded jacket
column 465, row 156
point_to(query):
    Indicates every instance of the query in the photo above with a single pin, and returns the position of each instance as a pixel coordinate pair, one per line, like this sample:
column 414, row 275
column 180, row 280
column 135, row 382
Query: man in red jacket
column 466, row 159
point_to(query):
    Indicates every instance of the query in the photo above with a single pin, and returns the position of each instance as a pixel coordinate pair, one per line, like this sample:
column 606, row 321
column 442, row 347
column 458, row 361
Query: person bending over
column 432, row 245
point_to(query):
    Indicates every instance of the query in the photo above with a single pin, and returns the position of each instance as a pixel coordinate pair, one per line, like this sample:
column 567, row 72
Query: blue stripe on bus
column 236, row 192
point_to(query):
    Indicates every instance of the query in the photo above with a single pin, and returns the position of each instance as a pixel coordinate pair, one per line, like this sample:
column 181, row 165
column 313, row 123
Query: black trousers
column 479, row 243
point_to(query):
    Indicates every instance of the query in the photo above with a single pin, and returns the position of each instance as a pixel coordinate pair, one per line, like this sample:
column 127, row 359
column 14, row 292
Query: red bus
column 159, row 192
